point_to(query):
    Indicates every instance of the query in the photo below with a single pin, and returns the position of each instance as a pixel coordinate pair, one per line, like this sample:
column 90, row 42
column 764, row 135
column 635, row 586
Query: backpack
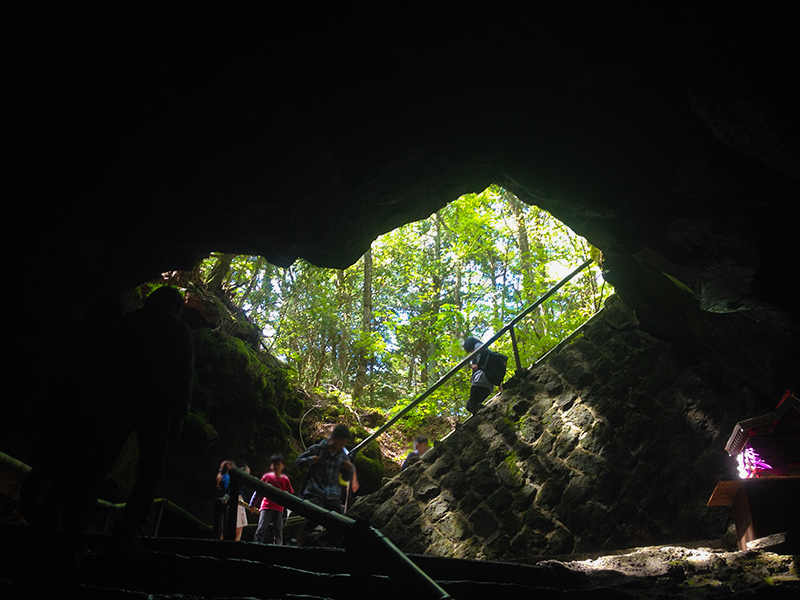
column 494, row 365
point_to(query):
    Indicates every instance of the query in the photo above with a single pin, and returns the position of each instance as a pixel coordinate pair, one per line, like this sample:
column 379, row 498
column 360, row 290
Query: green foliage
column 466, row 270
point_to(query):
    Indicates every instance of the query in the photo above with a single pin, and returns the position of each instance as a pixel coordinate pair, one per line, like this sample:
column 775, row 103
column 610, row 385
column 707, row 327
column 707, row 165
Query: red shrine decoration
column 764, row 500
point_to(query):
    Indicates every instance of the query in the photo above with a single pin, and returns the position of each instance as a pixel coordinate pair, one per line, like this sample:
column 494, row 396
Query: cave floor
column 191, row 568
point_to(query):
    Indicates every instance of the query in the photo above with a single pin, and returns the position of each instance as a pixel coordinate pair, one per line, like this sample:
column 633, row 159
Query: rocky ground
column 675, row 571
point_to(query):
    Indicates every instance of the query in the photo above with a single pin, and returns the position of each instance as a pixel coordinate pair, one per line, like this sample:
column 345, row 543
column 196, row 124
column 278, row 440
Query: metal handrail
column 465, row 361
column 161, row 503
column 360, row 537
column 14, row 464
column 578, row 330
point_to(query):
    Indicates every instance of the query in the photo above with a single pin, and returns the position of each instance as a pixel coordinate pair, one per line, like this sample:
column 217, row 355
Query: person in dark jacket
column 480, row 386
column 143, row 384
column 329, row 464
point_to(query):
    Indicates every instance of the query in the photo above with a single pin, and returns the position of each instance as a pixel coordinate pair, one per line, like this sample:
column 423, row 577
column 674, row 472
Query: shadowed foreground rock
column 615, row 441
column 183, row 568
column 172, row 568
column 690, row 572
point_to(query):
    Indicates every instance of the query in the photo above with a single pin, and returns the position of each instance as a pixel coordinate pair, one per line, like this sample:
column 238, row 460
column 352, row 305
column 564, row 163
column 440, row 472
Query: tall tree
column 220, row 271
column 387, row 326
column 363, row 348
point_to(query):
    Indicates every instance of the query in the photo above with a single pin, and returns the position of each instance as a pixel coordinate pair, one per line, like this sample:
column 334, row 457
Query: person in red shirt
column 271, row 512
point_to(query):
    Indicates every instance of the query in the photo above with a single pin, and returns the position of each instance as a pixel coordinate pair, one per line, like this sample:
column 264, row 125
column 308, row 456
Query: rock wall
column 671, row 145
column 613, row 442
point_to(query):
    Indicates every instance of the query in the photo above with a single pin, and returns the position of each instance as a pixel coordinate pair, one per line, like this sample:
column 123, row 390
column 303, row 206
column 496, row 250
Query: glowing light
column 750, row 464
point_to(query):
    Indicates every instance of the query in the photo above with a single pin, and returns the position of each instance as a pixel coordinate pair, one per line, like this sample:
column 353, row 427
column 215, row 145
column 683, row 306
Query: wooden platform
column 761, row 507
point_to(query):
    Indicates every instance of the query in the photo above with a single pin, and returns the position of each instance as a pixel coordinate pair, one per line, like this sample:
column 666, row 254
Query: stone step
column 318, row 559
column 158, row 574
column 336, row 560
column 169, row 567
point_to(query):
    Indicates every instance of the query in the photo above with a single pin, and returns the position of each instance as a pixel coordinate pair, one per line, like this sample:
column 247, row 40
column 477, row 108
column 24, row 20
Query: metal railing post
column 357, row 534
column 516, row 349
column 160, row 505
column 231, row 515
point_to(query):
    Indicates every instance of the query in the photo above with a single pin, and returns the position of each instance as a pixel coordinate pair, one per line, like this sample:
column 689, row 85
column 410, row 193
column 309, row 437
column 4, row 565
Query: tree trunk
column 257, row 268
column 431, row 357
column 343, row 350
column 219, row 272
column 366, row 328
column 323, row 354
column 457, row 293
column 526, row 267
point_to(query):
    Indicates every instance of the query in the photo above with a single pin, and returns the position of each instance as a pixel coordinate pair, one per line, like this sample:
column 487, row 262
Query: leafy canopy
column 466, row 270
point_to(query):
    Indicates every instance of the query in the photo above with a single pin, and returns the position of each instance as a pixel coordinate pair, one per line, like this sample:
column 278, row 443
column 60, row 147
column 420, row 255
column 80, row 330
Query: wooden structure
column 764, row 501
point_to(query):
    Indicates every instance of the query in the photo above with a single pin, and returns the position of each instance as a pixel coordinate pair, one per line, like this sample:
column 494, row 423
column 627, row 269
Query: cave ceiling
column 670, row 140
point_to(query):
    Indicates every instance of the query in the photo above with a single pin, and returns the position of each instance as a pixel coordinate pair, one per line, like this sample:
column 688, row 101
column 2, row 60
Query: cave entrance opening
column 381, row 331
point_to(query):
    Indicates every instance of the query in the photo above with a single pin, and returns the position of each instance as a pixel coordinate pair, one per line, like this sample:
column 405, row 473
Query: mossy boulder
column 244, row 409
column 369, row 464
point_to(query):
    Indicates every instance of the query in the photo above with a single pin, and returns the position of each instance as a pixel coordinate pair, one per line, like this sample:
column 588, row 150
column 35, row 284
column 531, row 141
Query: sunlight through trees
column 391, row 324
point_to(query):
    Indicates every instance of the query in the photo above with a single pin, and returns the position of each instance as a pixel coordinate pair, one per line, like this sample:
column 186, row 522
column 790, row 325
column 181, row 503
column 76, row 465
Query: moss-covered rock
column 243, row 396
column 244, row 409
column 198, row 435
column 369, row 463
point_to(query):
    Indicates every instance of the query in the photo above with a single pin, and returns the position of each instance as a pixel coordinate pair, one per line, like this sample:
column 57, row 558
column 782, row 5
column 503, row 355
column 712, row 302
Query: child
column 271, row 512
column 224, row 483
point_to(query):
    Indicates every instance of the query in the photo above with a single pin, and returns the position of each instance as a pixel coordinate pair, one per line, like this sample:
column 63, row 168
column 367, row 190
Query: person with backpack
column 488, row 370
column 233, row 493
column 329, row 465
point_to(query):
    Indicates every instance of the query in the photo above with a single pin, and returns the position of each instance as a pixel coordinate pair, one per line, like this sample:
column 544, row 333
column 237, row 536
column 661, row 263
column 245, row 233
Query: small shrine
column 764, row 500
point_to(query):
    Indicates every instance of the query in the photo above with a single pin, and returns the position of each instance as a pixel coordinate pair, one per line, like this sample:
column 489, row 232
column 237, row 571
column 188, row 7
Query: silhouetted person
column 69, row 404
column 144, row 384
column 480, row 386
column 154, row 355
column 233, row 493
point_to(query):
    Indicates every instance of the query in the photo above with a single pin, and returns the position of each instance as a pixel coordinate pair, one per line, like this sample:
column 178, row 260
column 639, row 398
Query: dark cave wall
column 666, row 137
column 142, row 143
column 615, row 441
column 239, row 131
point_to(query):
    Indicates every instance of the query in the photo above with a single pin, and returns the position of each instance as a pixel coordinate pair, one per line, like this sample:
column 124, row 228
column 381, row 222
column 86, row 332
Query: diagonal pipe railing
column 367, row 543
column 507, row 328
